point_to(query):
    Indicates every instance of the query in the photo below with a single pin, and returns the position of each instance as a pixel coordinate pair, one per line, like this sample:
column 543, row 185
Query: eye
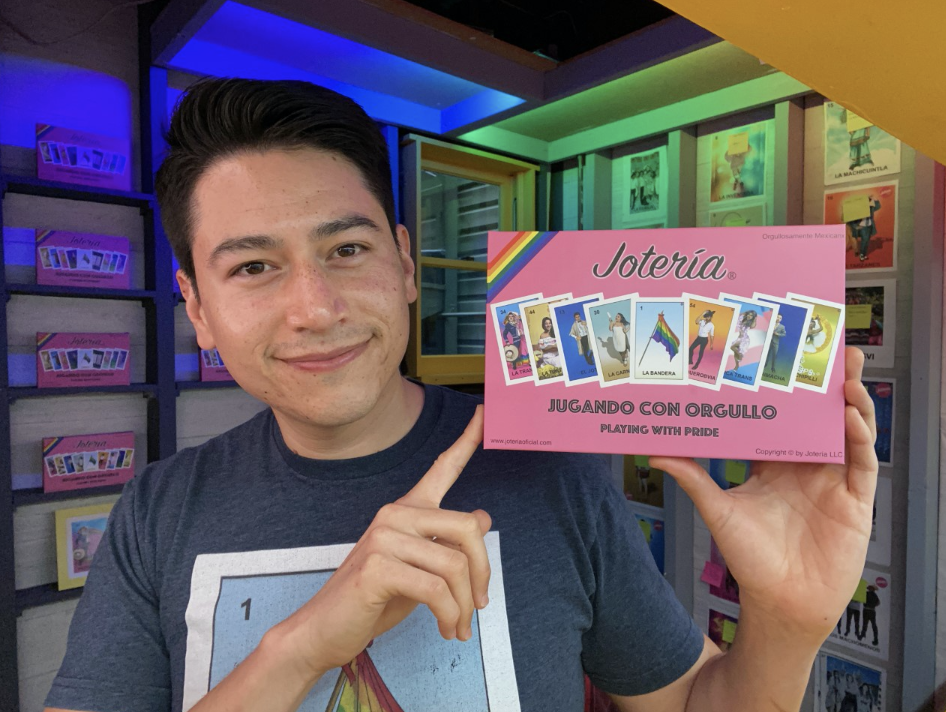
column 251, row 268
column 349, row 250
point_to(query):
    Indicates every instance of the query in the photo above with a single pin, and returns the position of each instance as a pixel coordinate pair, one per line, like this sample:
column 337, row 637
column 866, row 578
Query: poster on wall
column 883, row 392
column 645, row 195
column 878, row 551
column 868, row 324
column 737, row 163
column 721, row 629
column 865, row 624
column 747, row 216
column 854, row 148
column 643, row 484
column 79, row 530
column 869, row 213
column 842, row 684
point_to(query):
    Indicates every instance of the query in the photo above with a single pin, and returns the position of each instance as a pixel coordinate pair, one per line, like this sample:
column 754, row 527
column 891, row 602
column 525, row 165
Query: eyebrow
column 322, row 231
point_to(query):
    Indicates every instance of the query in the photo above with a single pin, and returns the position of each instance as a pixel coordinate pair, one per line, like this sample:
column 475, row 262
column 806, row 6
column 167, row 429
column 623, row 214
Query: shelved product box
column 78, row 360
column 212, row 367
column 76, row 259
column 699, row 342
column 83, row 158
column 83, row 461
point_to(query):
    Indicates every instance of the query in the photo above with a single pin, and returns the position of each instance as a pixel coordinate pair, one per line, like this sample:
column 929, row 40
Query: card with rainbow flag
column 659, row 405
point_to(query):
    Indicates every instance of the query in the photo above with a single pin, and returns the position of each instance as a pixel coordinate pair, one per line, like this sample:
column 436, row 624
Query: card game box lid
column 698, row 342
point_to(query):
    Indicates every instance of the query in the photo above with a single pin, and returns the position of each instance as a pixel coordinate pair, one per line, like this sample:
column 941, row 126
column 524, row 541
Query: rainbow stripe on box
column 664, row 335
column 43, row 129
column 53, row 442
column 510, row 260
column 43, row 339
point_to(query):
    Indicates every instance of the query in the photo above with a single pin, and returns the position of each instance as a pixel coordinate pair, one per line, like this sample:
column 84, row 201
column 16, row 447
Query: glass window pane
column 456, row 214
column 453, row 311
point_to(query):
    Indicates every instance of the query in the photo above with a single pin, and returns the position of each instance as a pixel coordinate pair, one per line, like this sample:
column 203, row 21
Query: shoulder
column 172, row 477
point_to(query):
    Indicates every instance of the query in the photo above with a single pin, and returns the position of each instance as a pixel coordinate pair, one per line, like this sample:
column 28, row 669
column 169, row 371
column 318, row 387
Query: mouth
column 324, row 361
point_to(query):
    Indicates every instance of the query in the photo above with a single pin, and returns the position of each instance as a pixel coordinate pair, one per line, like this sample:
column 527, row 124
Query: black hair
column 220, row 118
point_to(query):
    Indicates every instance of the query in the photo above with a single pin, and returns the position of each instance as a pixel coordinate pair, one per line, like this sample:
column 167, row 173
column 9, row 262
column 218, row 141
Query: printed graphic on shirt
column 236, row 598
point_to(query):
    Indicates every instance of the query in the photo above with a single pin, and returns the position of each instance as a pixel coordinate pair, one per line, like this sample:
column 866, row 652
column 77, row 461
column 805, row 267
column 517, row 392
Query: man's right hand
column 413, row 552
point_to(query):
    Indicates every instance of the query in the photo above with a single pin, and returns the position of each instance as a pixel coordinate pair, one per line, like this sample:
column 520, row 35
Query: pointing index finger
column 438, row 480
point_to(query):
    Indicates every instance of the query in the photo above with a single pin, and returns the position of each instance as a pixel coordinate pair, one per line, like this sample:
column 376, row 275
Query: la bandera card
column 686, row 342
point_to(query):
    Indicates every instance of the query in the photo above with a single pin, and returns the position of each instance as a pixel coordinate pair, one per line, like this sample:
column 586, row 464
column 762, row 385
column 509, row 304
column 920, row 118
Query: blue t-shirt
column 207, row 549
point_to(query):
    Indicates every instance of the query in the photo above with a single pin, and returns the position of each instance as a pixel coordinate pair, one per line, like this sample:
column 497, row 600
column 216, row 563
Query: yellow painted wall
column 883, row 60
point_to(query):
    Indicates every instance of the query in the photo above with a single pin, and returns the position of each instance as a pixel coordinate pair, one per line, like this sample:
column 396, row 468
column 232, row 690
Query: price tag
column 857, row 316
column 856, row 123
column 860, row 595
column 856, row 207
column 739, row 143
column 735, row 471
column 729, row 631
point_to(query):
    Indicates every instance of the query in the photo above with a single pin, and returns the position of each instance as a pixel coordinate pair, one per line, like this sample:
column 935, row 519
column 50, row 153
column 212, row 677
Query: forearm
column 270, row 679
column 766, row 670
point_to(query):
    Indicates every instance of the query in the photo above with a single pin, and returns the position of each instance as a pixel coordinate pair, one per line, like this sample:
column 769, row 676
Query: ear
column 407, row 264
column 195, row 311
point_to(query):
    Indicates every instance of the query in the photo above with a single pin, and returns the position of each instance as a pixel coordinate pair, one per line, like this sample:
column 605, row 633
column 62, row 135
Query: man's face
column 778, row 319
column 302, row 287
column 577, row 317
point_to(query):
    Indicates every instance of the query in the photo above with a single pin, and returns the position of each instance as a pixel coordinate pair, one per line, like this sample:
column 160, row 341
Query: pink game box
column 212, row 367
column 78, row 259
column 719, row 342
column 82, row 461
column 77, row 360
column 81, row 157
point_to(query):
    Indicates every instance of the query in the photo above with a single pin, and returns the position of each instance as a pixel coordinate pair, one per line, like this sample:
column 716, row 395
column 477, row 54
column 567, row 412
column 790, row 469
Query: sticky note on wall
column 713, row 574
column 857, row 316
column 860, row 595
column 729, row 631
column 735, row 471
column 856, row 123
column 739, row 143
column 855, row 207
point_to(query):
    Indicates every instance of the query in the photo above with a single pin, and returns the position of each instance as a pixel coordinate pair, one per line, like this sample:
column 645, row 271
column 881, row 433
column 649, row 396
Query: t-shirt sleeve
column 641, row 638
column 116, row 659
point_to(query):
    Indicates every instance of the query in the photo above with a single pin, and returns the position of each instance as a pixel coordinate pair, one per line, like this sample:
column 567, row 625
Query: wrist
column 281, row 644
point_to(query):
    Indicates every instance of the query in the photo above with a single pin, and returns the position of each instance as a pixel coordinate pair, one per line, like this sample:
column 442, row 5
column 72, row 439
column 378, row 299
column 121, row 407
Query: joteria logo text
column 650, row 265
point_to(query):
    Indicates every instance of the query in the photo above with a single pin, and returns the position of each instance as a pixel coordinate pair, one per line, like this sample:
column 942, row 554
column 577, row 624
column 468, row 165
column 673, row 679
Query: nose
column 313, row 300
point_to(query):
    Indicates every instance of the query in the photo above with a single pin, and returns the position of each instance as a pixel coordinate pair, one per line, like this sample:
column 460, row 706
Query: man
column 705, row 334
column 777, row 333
column 579, row 332
column 870, row 613
column 277, row 200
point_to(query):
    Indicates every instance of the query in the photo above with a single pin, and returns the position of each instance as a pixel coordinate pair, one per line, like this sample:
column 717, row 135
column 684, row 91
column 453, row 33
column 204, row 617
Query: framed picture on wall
column 644, row 198
column 79, row 531
column 870, row 320
column 854, row 148
column 737, row 163
column 869, row 213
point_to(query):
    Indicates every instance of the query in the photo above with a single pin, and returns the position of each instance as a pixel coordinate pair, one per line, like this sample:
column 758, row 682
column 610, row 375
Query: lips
column 325, row 360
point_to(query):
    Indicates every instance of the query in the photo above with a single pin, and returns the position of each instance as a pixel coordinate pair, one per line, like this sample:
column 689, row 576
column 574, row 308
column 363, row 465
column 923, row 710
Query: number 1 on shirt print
column 246, row 604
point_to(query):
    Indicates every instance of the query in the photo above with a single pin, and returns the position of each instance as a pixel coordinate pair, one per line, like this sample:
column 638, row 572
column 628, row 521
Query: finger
column 395, row 579
column 712, row 503
column 444, row 472
column 861, row 456
column 853, row 363
column 449, row 564
column 464, row 531
column 855, row 394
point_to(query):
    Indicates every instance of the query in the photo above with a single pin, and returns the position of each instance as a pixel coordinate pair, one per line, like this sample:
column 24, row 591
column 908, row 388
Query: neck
column 398, row 408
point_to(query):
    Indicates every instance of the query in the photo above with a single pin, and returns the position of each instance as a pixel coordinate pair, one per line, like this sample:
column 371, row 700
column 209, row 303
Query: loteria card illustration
column 738, row 163
column 643, row 484
column 785, row 350
column 865, row 625
column 848, row 686
column 660, row 330
column 610, row 325
column 721, row 629
column 745, row 351
column 646, row 194
column 822, row 340
column 868, row 324
column 878, row 551
column 656, row 288
column 543, row 343
column 870, row 214
column 882, row 393
column 511, row 337
column 577, row 354
column 78, row 533
column 855, row 148
column 712, row 325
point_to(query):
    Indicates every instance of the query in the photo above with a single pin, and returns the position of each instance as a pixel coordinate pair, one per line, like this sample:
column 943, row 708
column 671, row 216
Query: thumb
column 711, row 502
column 485, row 521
